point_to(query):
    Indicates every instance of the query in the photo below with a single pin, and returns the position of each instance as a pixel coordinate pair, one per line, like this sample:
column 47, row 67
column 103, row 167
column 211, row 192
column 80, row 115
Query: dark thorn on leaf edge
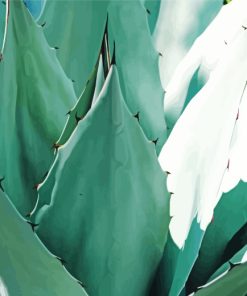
column 137, row 116
column 33, row 225
column 78, row 118
column 155, row 141
column 63, row 262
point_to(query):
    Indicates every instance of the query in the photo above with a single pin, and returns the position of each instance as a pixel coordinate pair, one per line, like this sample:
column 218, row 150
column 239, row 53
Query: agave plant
column 106, row 189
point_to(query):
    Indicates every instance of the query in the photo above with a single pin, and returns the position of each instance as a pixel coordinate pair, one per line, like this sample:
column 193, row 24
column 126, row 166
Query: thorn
column 232, row 265
column 155, row 141
column 237, row 115
column 81, row 284
column 225, row 42
column 171, row 193
column 61, row 260
column 160, row 54
column 137, row 116
column 42, row 25
column 164, row 91
column 113, row 60
column 1, row 185
column 56, row 146
column 77, row 118
column 168, row 173
column 212, row 220
column 148, row 11
column 228, row 164
column 68, row 113
column 56, row 47
column 245, row 28
column 36, row 186
column 33, row 225
column 1, row 57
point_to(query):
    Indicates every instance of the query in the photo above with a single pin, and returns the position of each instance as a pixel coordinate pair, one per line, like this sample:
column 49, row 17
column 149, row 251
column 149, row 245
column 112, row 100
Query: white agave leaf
column 204, row 55
column 237, row 156
column 179, row 24
column 3, row 289
column 197, row 152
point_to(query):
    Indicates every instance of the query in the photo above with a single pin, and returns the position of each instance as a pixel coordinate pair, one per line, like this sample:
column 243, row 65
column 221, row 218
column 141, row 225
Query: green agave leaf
column 80, row 109
column 237, row 258
column 152, row 8
column 231, row 208
column 26, row 267
column 232, row 283
column 237, row 241
column 76, row 28
column 90, row 94
column 35, row 95
column 176, row 263
column 103, row 207
column 138, row 68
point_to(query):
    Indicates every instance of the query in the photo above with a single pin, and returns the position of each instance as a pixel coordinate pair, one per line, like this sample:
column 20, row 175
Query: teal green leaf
column 137, row 62
column 232, row 208
column 233, row 283
column 104, row 207
column 35, row 95
column 79, row 46
column 238, row 257
column 76, row 28
column 176, row 264
column 80, row 109
column 26, row 267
